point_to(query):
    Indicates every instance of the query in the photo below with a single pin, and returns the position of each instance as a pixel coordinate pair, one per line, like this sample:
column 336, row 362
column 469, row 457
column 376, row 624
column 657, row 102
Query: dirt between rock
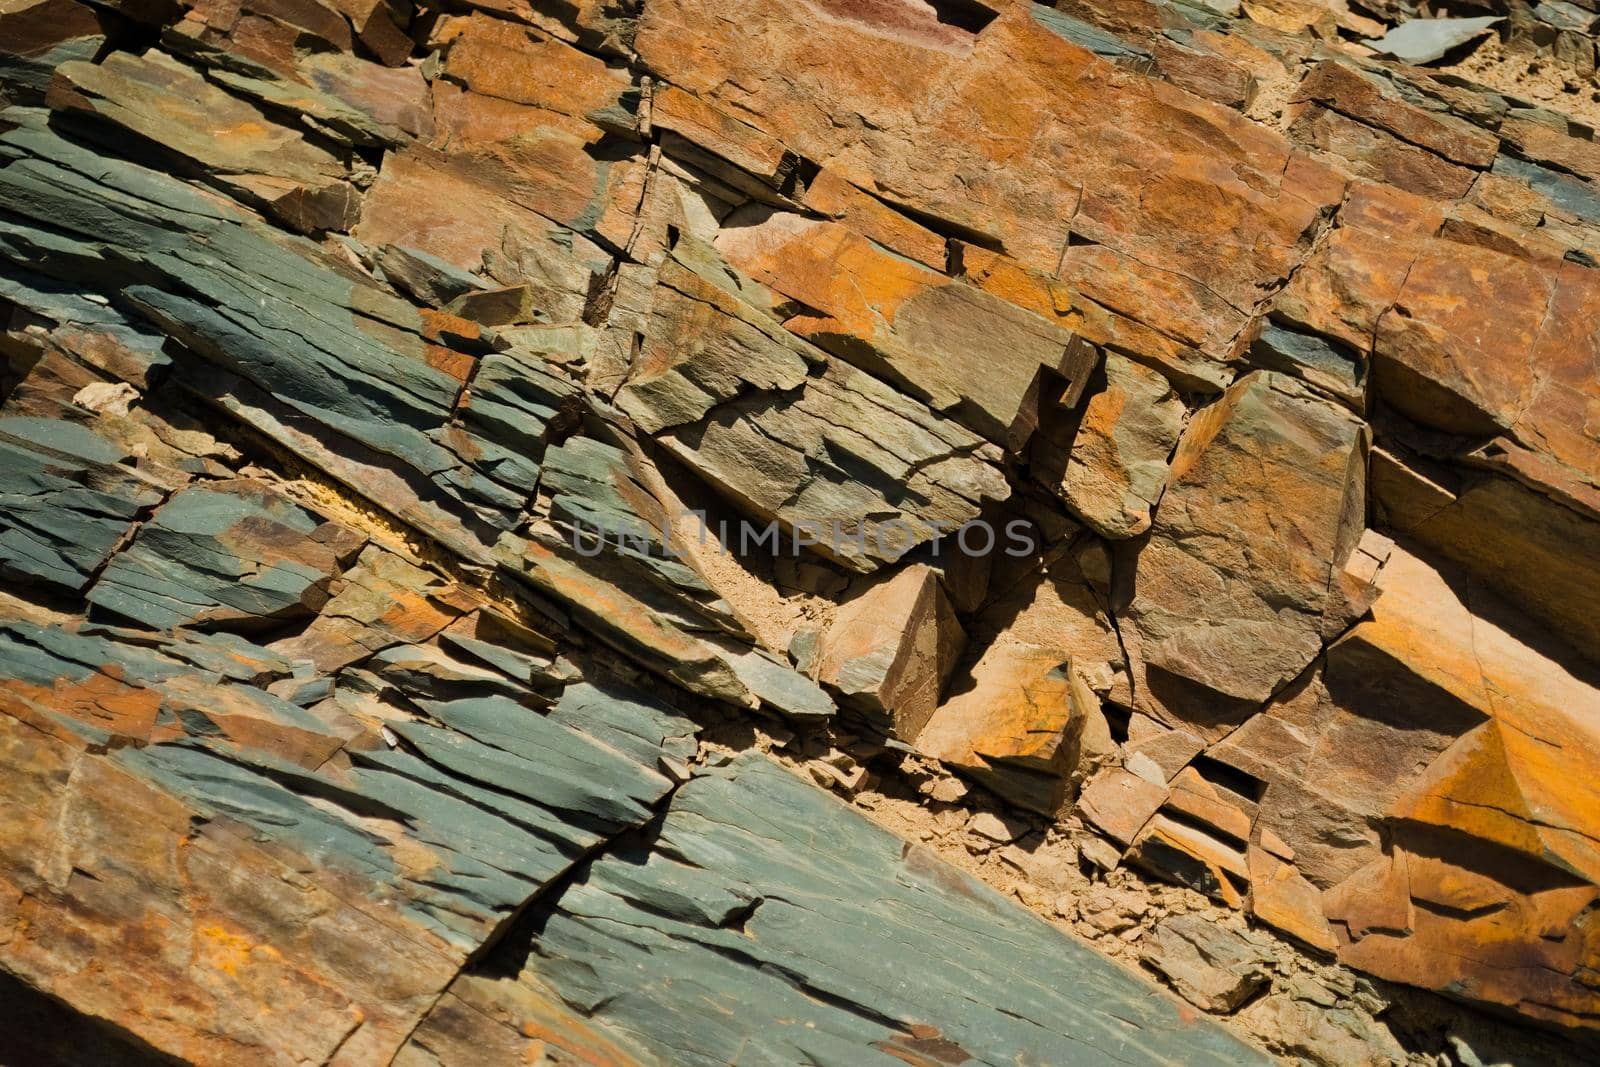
column 1533, row 77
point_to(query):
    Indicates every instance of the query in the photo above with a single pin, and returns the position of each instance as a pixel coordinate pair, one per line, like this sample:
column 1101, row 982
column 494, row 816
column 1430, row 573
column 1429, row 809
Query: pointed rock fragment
column 891, row 649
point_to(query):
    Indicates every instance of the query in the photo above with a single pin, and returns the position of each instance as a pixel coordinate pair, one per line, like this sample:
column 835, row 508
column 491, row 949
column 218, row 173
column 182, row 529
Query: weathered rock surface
column 68, row 501
column 37, row 36
column 1130, row 440
column 225, row 553
column 733, row 896
column 1495, row 837
column 1022, row 714
column 1112, row 461
column 995, row 369
column 1235, row 596
column 892, row 649
column 174, row 110
column 1032, row 87
column 1215, row 970
column 843, row 463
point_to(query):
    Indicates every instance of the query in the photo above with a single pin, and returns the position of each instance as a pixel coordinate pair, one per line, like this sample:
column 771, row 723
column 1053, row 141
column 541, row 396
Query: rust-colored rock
column 1235, row 592
column 892, row 648
column 1112, row 462
column 993, row 368
column 1119, row 434
column 1143, row 168
column 175, row 110
column 1282, row 898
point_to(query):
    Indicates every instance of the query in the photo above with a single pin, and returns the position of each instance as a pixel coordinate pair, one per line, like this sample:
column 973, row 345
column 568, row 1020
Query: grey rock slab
column 426, row 278
column 347, row 358
column 1568, row 192
column 628, row 719
column 225, row 554
column 1318, row 362
column 66, row 501
column 459, row 824
column 1087, row 35
column 172, row 108
column 1420, row 41
column 1564, row 16
column 768, row 923
column 607, row 522
column 780, row 687
column 573, row 776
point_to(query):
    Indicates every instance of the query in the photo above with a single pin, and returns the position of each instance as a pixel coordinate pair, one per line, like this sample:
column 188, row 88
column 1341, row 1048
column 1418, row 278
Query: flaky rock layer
column 434, row 437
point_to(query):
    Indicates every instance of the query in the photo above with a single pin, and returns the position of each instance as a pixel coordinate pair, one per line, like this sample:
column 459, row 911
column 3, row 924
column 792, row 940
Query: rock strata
column 1126, row 443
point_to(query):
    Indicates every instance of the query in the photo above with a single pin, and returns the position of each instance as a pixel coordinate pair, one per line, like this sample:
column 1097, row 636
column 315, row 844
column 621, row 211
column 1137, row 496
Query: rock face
column 743, row 887
column 1233, row 599
column 1159, row 440
column 228, row 552
column 1109, row 464
column 915, row 326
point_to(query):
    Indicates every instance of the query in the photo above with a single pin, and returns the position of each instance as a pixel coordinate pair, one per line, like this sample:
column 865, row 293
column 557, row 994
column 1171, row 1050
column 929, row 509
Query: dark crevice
column 506, row 955
column 1235, row 781
column 38, row 1030
column 1118, row 720
column 950, row 231
column 963, row 14
column 797, row 178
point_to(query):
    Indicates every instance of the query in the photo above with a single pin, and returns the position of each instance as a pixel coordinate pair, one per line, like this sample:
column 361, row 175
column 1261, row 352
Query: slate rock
column 66, row 501
column 917, row 147
column 1110, row 464
column 38, row 37
column 1392, row 105
column 413, row 203
column 1286, row 901
column 288, row 351
column 725, row 909
column 1315, row 360
column 778, row 426
column 1422, row 40
column 1016, row 721
column 1520, row 868
column 427, row 279
column 465, row 752
column 344, row 99
column 996, row 370
column 175, row 110
column 500, row 59
column 1504, row 532
column 891, row 649
column 226, row 553
column 1211, row 967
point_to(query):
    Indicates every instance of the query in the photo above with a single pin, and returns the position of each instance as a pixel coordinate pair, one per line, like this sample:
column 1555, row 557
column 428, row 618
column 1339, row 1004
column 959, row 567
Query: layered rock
column 229, row 553
column 732, row 896
column 1023, row 713
column 1491, row 863
column 843, row 463
column 1036, row 96
column 1109, row 465
column 1170, row 434
column 1239, row 585
column 995, row 369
